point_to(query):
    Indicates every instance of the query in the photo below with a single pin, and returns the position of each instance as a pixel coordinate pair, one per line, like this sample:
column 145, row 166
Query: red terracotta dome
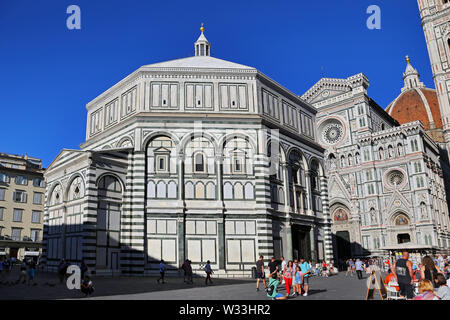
column 416, row 102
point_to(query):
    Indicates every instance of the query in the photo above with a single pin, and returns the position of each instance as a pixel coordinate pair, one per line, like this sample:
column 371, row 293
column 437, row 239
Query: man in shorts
column 260, row 274
column 305, row 272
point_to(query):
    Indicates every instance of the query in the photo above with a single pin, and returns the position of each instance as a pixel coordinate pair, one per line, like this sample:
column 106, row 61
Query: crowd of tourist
column 294, row 274
column 426, row 280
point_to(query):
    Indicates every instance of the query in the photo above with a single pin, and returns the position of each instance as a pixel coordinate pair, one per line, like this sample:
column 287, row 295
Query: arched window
column 383, row 126
column 350, row 160
column 199, row 162
column 56, row 197
column 342, row 161
column 76, row 189
column 357, row 158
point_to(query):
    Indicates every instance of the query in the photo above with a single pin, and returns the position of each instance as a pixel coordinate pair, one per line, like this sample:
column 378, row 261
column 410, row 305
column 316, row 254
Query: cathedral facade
column 386, row 182
column 196, row 158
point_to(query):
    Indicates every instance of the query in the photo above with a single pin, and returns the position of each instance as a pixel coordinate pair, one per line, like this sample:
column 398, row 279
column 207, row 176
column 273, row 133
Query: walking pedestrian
column 288, row 274
column 162, row 271
column 208, row 271
column 260, row 273
column 184, row 268
column 62, row 270
column 189, row 272
column 359, row 268
column 403, row 272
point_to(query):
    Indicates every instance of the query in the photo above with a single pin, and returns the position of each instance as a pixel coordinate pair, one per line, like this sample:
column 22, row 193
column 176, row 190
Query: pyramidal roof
column 201, row 62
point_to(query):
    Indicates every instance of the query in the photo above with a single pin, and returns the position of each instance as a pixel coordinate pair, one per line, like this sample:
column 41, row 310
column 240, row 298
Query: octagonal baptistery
column 416, row 102
column 196, row 158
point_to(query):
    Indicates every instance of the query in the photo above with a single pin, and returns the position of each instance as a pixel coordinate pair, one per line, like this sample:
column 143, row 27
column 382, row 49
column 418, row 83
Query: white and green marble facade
column 384, row 180
column 145, row 199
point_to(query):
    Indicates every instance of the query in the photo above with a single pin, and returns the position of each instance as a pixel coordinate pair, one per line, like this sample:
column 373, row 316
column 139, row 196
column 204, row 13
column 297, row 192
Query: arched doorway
column 341, row 231
column 343, row 244
column 108, row 224
column 402, row 222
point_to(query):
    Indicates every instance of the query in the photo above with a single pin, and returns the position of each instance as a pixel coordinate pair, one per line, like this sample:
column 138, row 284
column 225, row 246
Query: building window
column 17, row 215
column 39, row 182
column 4, row 178
column 366, row 155
column 370, row 189
column 162, row 163
column 15, row 234
column 414, row 145
column 1, row 213
column 37, row 198
column 238, row 162
column 34, row 235
column 20, row 196
column 199, row 162
column 417, row 167
column 420, row 183
column 369, row 176
column 2, row 194
column 36, row 217
column 362, row 122
column 21, row 180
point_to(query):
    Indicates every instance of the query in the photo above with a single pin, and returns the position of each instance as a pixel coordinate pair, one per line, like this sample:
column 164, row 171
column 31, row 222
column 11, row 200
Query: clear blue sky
column 49, row 73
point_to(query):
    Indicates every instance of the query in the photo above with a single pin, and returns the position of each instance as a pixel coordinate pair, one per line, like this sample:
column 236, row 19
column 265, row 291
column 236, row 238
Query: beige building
column 22, row 191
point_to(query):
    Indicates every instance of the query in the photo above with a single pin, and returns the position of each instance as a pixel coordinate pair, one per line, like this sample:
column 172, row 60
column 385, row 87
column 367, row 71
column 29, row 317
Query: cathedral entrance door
column 301, row 245
column 343, row 244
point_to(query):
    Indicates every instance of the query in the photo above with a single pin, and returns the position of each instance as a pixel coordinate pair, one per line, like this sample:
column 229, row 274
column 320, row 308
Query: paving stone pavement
column 337, row 287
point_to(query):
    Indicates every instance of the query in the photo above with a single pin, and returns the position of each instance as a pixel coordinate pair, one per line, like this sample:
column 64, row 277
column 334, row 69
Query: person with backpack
column 272, row 288
column 208, row 271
